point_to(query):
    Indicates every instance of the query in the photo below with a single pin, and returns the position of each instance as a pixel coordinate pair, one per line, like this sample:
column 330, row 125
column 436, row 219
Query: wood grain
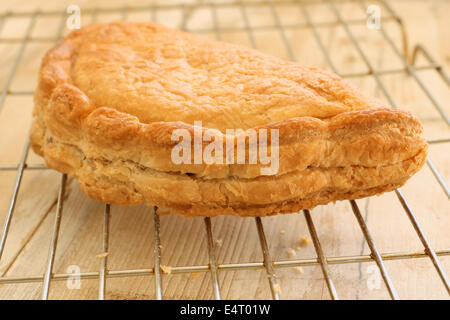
column 184, row 240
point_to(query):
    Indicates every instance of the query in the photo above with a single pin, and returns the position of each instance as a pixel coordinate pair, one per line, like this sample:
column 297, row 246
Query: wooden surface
column 184, row 240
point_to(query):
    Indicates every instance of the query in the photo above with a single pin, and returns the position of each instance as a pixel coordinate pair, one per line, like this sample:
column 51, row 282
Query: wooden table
column 184, row 240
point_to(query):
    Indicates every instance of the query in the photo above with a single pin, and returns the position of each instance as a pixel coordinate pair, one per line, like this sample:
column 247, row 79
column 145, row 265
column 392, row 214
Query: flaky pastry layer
column 110, row 95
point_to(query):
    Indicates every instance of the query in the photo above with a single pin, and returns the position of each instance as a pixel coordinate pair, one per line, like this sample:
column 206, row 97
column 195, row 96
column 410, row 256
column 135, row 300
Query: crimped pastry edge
column 371, row 137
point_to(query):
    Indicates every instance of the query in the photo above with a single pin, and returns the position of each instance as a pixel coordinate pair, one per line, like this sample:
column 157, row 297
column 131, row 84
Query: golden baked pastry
column 111, row 96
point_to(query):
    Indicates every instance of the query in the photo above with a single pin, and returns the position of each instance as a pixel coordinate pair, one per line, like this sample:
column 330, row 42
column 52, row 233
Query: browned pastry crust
column 110, row 95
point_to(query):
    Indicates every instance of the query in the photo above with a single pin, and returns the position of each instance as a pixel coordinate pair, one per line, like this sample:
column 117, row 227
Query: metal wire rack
column 268, row 263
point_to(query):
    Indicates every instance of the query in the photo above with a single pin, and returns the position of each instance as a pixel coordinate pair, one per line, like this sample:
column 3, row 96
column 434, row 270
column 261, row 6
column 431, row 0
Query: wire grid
column 268, row 264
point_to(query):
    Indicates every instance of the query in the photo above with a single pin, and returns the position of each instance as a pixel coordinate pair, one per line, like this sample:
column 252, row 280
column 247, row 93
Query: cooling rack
column 268, row 264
